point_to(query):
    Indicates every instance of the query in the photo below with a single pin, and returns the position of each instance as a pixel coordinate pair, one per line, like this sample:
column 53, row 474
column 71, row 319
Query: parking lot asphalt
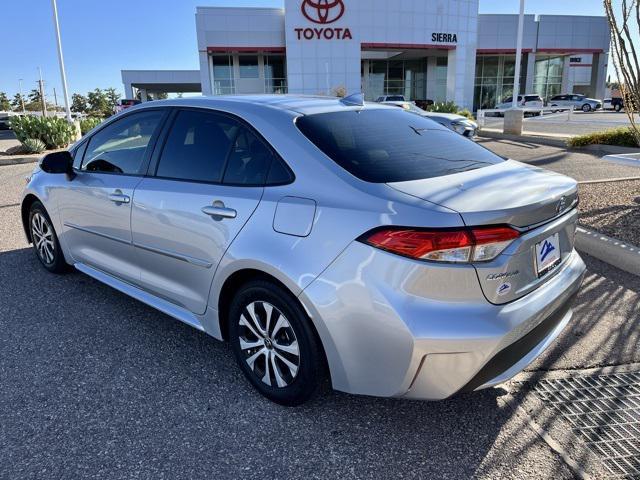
column 94, row 384
column 559, row 124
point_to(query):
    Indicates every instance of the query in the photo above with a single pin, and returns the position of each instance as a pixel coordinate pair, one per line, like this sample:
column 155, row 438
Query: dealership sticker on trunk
column 547, row 254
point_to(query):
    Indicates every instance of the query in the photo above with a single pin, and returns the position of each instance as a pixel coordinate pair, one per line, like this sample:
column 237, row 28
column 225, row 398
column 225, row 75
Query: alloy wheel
column 268, row 344
column 42, row 234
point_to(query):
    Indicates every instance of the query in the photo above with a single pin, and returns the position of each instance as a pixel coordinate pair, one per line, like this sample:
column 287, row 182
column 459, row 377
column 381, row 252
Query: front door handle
column 217, row 209
column 119, row 197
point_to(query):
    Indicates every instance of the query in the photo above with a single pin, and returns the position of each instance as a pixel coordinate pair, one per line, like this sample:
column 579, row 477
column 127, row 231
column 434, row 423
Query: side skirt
column 164, row 306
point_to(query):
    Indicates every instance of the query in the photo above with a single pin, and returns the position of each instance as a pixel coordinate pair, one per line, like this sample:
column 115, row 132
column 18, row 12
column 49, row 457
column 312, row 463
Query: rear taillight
column 478, row 244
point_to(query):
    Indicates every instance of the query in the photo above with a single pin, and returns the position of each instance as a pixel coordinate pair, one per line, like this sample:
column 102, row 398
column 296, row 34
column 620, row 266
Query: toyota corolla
column 322, row 238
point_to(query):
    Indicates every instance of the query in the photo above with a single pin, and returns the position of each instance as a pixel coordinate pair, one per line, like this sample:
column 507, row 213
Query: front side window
column 392, row 145
column 120, row 147
column 197, row 146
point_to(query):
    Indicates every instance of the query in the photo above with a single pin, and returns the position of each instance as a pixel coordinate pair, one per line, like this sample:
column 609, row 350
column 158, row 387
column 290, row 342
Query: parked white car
column 457, row 123
column 531, row 103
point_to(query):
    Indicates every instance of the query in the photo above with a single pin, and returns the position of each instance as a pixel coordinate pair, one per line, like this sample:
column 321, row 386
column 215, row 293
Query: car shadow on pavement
column 97, row 384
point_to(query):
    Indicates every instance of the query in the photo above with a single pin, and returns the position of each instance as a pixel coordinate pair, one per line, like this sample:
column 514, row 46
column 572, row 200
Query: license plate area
column 547, row 254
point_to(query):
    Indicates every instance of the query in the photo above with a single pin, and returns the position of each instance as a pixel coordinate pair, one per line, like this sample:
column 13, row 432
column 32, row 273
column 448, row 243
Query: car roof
column 296, row 104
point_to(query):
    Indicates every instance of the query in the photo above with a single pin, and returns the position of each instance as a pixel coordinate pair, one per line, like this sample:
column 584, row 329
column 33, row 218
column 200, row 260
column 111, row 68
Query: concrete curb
column 18, row 160
column 557, row 142
column 539, row 139
column 610, row 250
column 629, row 159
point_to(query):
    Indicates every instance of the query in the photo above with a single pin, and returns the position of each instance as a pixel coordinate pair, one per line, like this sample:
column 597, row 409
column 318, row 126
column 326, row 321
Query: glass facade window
column 547, row 80
column 396, row 77
column 222, row 70
column 494, row 79
column 440, row 92
column 249, row 67
column 275, row 75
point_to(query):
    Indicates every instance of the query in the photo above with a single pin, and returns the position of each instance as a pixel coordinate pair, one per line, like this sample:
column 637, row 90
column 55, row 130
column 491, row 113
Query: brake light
column 478, row 244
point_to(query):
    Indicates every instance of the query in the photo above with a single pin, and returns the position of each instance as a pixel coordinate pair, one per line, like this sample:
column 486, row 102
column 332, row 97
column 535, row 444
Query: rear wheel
column 274, row 343
column 618, row 107
column 45, row 241
column 586, row 108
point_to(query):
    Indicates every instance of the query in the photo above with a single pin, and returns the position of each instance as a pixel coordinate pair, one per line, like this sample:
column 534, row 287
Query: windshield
column 392, row 145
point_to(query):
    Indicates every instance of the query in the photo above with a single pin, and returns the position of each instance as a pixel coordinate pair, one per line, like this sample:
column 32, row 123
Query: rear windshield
column 381, row 146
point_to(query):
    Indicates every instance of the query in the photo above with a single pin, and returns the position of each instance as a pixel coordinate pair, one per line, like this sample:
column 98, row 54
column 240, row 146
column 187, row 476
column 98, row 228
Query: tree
column 79, row 103
column 34, row 96
column 5, row 104
column 99, row 104
column 17, row 102
column 113, row 98
column 624, row 20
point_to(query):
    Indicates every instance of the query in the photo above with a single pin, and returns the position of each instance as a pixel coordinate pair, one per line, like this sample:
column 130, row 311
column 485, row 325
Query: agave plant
column 34, row 145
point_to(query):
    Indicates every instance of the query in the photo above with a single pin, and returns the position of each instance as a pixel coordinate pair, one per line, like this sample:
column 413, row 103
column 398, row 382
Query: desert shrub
column 33, row 145
column 465, row 112
column 89, row 123
column 444, row 107
column 621, row 137
column 54, row 132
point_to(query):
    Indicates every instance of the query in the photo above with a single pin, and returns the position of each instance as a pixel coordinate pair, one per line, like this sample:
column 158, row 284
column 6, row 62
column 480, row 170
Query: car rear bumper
column 409, row 329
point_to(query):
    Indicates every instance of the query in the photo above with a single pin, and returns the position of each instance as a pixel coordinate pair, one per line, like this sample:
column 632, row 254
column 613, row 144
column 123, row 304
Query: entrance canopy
column 160, row 81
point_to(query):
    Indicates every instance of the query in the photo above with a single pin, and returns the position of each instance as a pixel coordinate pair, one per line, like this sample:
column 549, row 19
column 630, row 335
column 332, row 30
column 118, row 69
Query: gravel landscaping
column 612, row 208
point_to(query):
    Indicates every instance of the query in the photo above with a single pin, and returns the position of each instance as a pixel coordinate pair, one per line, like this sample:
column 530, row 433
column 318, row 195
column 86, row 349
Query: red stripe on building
column 246, row 49
column 501, row 50
column 406, row 46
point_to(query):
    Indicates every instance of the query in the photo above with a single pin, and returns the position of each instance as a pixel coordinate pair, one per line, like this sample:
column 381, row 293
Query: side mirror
column 58, row 162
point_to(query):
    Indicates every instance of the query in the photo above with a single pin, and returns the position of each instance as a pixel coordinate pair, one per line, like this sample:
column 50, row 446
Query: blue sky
column 102, row 37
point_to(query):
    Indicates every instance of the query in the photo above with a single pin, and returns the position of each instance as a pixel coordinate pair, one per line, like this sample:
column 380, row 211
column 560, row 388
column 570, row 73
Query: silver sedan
column 322, row 238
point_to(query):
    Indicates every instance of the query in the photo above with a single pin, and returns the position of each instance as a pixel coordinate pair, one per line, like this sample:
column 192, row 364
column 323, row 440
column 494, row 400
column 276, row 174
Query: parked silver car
column 578, row 102
column 459, row 124
column 318, row 236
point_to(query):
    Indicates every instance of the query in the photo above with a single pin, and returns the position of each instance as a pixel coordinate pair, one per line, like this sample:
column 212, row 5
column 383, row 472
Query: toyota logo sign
column 322, row 11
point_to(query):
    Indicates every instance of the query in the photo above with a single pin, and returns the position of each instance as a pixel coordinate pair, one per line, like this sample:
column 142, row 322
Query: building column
column 205, row 73
column 431, row 77
column 567, row 82
column 598, row 75
column 531, row 72
column 461, row 75
column 128, row 91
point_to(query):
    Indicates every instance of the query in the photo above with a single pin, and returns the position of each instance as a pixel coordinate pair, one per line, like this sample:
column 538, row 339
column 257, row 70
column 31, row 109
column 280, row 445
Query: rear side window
column 197, row 146
column 381, row 146
column 249, row 160
column 120, row 146
column 532, row 98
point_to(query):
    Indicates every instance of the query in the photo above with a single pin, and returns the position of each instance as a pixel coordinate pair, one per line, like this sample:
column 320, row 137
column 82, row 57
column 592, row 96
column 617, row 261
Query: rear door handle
column 119, row 197
column 219, row 210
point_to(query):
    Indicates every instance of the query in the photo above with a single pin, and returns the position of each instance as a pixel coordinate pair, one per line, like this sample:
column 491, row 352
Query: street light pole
column 63, row 75
column 516, row 79
column 21, row 97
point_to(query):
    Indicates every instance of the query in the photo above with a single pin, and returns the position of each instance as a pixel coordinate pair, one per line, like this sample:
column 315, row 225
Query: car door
column 96, row 205
column 206, row 183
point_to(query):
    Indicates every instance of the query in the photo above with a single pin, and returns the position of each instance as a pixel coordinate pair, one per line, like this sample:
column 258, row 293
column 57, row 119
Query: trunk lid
column 537, row 202
column 509, row 193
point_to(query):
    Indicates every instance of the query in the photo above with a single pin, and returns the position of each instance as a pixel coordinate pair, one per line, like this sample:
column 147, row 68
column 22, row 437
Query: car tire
column 275, row 344
column 618, row 107
column 45, row 241
column 586, row 108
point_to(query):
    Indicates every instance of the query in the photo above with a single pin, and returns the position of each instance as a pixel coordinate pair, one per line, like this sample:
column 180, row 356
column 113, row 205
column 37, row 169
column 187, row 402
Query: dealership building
column 438, row 50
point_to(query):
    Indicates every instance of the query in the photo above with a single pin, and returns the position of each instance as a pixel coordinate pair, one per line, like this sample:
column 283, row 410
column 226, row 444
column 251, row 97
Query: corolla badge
column 504, row 289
